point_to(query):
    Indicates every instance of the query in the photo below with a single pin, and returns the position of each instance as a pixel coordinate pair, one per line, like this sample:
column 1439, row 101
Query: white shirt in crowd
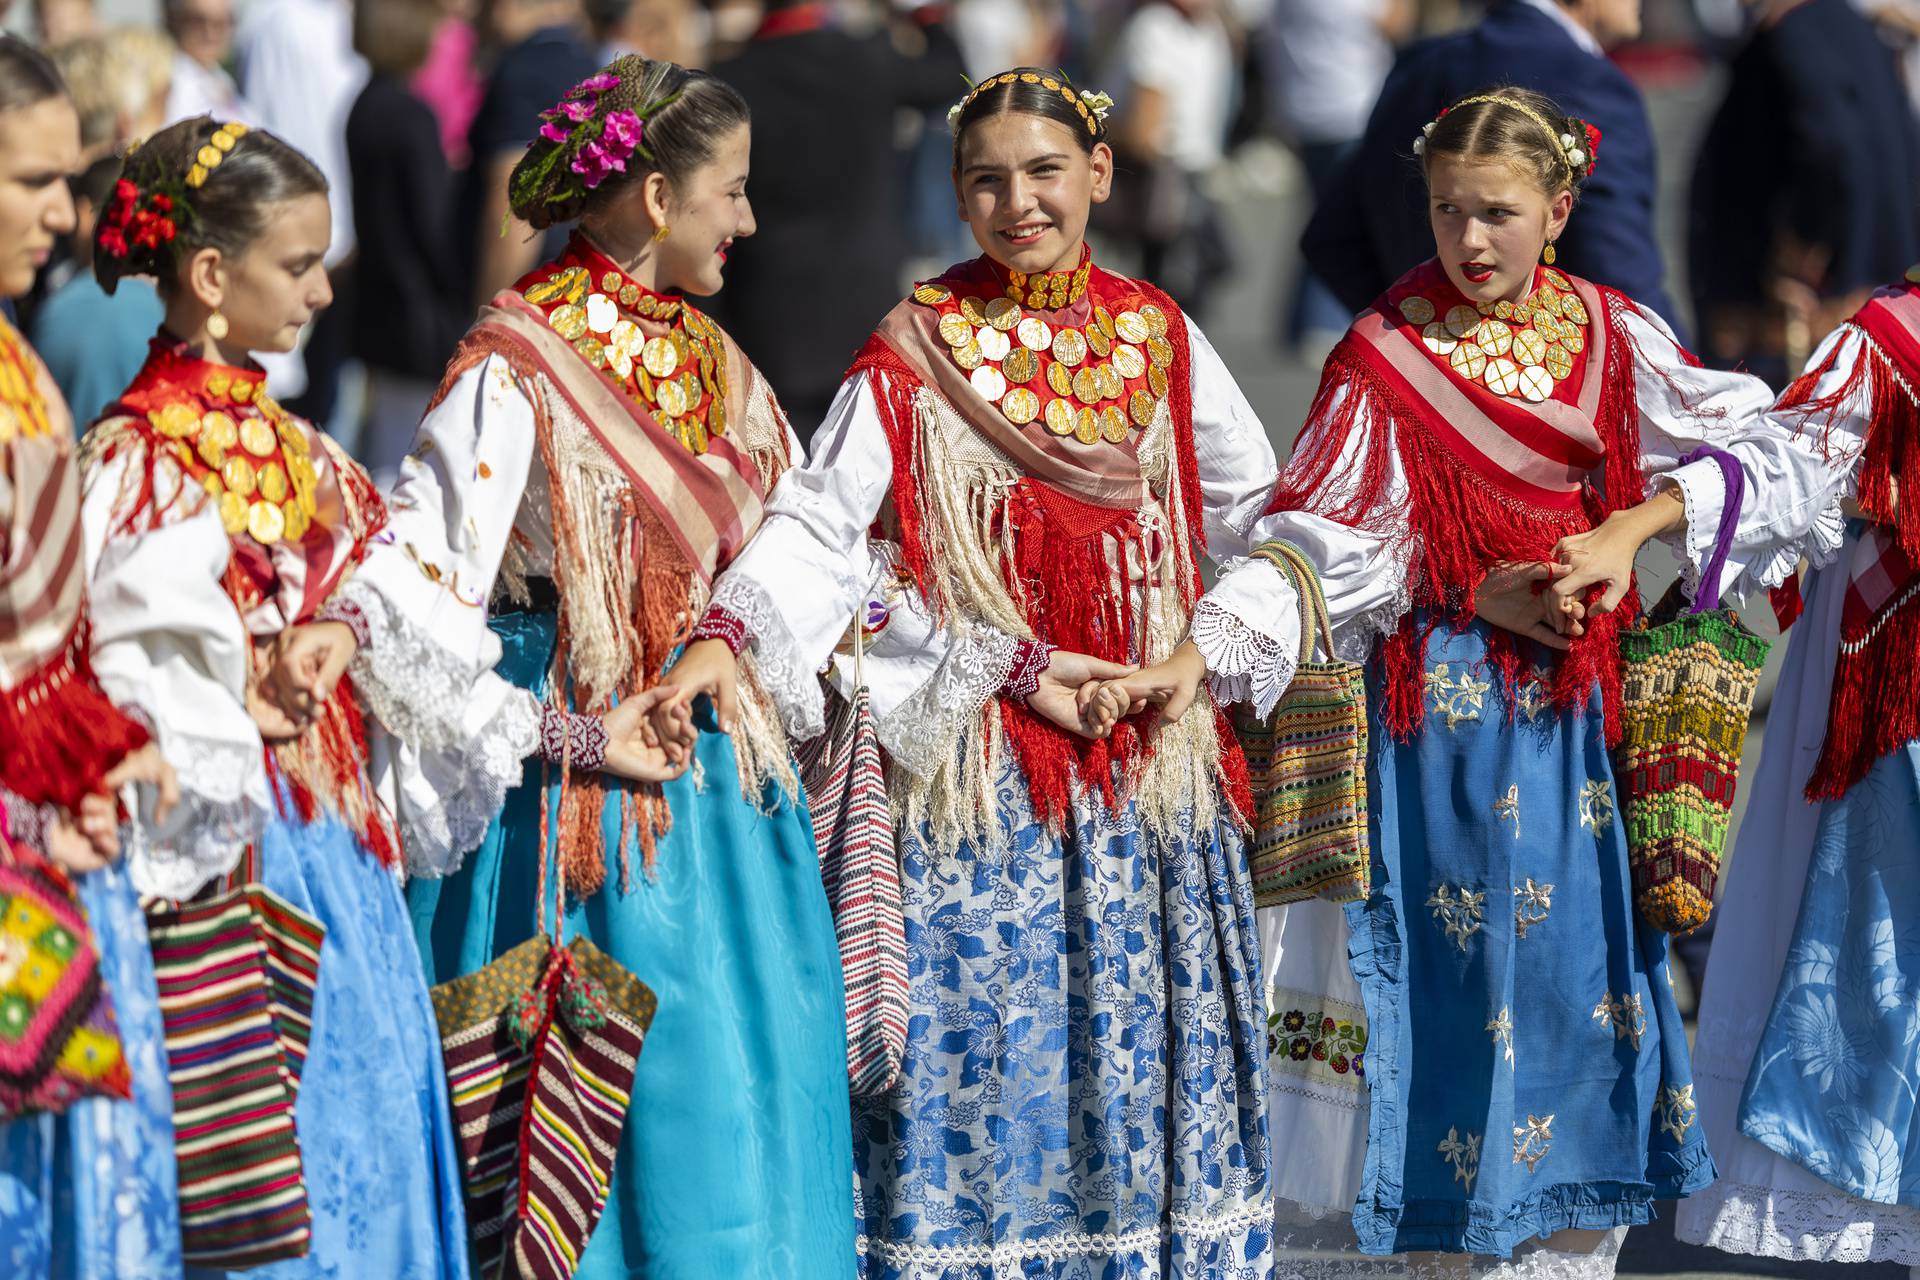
column 1190, row 61
column 1328, row 63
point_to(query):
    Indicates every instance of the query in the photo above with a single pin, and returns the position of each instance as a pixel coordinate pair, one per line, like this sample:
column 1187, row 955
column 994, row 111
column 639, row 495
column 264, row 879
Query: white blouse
column 799, row 582
column 1248, row 626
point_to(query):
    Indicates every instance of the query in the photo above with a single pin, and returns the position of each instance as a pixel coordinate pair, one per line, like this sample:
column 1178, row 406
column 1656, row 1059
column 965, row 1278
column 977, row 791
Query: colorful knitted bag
column 540, row 1049
column 1308, row 764
column 1687, row 684
column 236, row 969
column 58, row 1039
column 860, row 867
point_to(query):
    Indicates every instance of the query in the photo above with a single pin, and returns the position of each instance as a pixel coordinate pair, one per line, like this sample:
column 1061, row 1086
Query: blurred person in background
column 1805, row 189
column 839, row 245
column 1175, row 73
column 414, row 307
column 299, row 74
column 1372, row 226
column 203, row 30
column 120, row 83
column 544, row 51
column 674, row 30
column 448, row 81
column 1324, row 66
column 59, row 21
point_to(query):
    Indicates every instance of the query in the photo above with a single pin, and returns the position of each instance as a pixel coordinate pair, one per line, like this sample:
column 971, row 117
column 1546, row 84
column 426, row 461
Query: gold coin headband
column 213, row 151
column 1092, row 106
column 1578, row 154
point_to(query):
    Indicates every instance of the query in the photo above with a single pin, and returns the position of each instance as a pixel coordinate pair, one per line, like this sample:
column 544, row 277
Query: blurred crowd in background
column 1804, row 194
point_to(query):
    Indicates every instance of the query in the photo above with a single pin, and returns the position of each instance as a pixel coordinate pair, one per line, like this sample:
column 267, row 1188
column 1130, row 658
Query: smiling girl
column 1492, row 443
column 219, row 526
column 598, row 451
column 1045, row 448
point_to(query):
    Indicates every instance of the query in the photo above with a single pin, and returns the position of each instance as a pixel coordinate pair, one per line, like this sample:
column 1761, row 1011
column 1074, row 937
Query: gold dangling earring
column 217, row 327
column 1547, row 255
column 660, row 232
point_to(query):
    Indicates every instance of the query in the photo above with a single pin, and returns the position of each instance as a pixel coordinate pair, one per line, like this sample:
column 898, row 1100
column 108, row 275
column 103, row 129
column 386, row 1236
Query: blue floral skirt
column 1527, row 1063
column 376, row 1132
column 734, row 1163
column 1084, row 1090
column 1832, row 1085
column 91, row 1194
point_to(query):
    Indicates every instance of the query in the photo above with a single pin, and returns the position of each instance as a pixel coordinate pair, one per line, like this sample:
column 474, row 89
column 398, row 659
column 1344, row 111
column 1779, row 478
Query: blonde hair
column 113, row 78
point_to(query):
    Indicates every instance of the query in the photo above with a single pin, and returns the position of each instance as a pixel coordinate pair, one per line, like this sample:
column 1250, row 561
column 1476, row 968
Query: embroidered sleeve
column 722, row 625
column 445, row 800
column 28, row 824
column 169, row 642
column 1793, row 488
column 929, row 683
column 1248, row 631
column 574, row 739
column 1030, row 661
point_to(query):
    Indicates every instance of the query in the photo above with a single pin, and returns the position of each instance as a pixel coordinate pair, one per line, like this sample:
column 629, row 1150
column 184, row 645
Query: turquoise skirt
column 736, row 1160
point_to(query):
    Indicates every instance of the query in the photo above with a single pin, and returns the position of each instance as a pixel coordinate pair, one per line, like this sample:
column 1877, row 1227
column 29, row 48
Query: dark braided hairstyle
column 1034, row 92
column 635, row 117
column 154, row 220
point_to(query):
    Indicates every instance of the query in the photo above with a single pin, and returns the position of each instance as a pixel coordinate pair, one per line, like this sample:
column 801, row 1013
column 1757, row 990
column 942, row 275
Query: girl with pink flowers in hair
column 598, row 451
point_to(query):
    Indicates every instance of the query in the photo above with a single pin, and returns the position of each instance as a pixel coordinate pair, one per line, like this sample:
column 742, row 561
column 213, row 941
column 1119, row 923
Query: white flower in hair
column 1098, row 103
column 953, row 115
column 1576, row 157
column 1420, row 145
column 1426, row 130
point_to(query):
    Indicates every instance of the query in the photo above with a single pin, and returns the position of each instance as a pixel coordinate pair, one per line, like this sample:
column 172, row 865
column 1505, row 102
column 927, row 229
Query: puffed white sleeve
column 1235, row 458
column 425, row 669
column 170, row 645
column 1791, row 504
column 1835, row 412
column 1247, row 627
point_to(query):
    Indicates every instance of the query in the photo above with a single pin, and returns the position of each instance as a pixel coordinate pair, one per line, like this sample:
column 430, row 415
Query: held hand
column 274, row 724
column 149, row 768
column 1171, row 685
column 705, row 667
column 73, row 851
column 1603, row 556
column 308, row 662
column 1512, row 598
column 634, row 750
column 1059, row 699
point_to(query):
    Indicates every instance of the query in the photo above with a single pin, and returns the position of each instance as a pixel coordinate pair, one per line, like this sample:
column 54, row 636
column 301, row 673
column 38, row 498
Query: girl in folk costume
column 1511, row 1020
column 89, row 1192
column 218, row 527
column 1042, row 443
column 1808, row 1053
column 598, row 450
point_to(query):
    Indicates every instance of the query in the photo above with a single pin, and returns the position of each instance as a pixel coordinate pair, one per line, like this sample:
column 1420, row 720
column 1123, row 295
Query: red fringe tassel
column 59, row 733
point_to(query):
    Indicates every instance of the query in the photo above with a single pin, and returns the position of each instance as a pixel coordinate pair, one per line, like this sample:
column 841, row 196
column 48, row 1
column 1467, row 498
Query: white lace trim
column 1312, row 1243
column 793, row 686
column 1800, row 1226
column 1821, row 545
column 438, row 839
column 928, row 1259
column 413, row 685
column 1244, row 664
column 922, row 732
column 223, row 808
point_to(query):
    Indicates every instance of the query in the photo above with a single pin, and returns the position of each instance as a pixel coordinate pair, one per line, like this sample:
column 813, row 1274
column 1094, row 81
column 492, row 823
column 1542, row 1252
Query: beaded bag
column 1687, row 686
column 1308, row 764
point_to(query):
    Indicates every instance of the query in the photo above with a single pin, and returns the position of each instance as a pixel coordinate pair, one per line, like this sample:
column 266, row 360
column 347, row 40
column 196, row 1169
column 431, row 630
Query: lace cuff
column 920, row 733
column 724, row 626
column 1243, row 664
column 1030, row 661
column 469, row 787
column 350, row 615
column 223, row 808
column 574, row 739
column 415, row 687
column 793, row 686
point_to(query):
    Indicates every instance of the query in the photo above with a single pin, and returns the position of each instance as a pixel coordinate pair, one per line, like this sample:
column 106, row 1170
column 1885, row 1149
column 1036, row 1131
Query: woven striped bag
column 1687, row 686
column 236, row 970
column 860, row 866
column 1308, row 764
column 540, row 1049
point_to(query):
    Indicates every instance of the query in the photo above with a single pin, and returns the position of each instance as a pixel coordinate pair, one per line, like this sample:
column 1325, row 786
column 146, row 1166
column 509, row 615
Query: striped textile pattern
column 1687, row 688
column 236, row 974
column 860, row 866
column 539, row 1123
column 1307, row 763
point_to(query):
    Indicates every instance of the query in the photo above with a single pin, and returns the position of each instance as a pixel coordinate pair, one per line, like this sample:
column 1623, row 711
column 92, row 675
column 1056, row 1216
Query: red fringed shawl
column 1490, row 478
column 1874, row 707
column 1065, row 548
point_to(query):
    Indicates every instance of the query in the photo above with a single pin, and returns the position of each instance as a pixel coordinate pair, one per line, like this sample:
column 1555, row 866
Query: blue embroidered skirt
column 376, row 1132
column 1084, row 1090
column 1528, row 1067
column 1832, row 1085
column 91, row 1194
column 734, row 1163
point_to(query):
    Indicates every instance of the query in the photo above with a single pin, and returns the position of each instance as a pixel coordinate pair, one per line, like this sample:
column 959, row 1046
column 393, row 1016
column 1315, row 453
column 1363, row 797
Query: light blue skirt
column 91, row 1194
column 377, row 1141
column 735, row 1160
column 1527, row 1063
